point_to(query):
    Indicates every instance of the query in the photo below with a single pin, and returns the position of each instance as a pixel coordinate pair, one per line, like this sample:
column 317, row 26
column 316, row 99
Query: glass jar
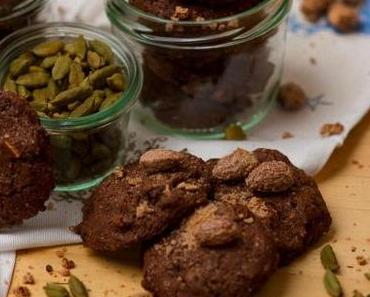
column 17, row 14
column 85, row 149
column 202, row 76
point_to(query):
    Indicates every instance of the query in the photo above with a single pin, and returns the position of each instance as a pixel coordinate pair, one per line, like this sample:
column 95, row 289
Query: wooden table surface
column 345, row 184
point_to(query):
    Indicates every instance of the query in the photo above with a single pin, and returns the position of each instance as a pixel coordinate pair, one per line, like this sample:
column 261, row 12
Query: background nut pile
column 67, row 79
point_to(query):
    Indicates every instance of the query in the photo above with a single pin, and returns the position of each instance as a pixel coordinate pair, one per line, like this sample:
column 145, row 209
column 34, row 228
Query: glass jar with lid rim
column 201, row 76
column 76, row 140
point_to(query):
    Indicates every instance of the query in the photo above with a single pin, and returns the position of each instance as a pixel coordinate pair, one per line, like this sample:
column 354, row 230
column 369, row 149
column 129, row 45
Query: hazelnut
column 271, row 177
column 292, row 97
column 314, row 9
column 344, row 17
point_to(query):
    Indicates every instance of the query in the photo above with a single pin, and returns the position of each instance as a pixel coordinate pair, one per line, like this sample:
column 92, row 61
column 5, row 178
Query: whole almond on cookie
column 161, row 160
column 271, row 177
column 235, row 166
column 217, row 231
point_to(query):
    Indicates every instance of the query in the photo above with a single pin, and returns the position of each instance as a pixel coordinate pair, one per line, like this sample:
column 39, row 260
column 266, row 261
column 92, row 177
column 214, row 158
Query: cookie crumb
column 313, row 61
column 328, row 130
column 28, row 279
column 65, row 272
column 68, row 264
column 49, row 268
column 287, row 135
column 181, row 13
column 60, row 254
column 292, row 97
column 22, row 292
column 361, row 260
column 343, row 17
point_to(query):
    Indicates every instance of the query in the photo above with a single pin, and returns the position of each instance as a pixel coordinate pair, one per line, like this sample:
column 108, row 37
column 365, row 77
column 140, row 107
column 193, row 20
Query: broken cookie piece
column 144, row 200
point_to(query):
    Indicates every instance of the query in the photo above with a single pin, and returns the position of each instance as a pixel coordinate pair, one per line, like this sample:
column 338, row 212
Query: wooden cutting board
column 345, row 184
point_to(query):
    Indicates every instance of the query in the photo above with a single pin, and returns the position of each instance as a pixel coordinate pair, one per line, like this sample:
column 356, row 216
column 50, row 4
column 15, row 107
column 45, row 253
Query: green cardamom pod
column 86, row 108
column 61, row 67
column 34, row 80
column 234, row 132
column 76, row 74
column 116, row 82
column 94, row 60
column 77, row 47
column 52, row 89
column 109, row 101
column 332, row 284
column 72, row 172
column 54, row 290
column 48, row 48
column 62, row 115
column 100, row 152
column 20, row 65
column 22, row 91
column 71, row 95
column 357, row 294
column 77, row 287
column 329, row 259
column 102, row 49
column 367, row 276
column 72, row 106
column 98, row 78
column 40, row 99
column 49, row 62
column 10, row 85
column 34, row 68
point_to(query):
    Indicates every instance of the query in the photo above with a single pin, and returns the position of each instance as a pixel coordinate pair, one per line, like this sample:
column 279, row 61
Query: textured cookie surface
column 284, row 198
column 26, row 174
column 222, row 250
column 142, row 200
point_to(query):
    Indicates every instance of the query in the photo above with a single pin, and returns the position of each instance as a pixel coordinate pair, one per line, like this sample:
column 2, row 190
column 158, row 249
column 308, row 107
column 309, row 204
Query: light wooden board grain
column 345, row 184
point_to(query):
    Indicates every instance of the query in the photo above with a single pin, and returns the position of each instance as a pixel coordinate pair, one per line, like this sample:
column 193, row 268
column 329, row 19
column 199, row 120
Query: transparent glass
column 200, row 77
column 85, row 149
column 17, row 14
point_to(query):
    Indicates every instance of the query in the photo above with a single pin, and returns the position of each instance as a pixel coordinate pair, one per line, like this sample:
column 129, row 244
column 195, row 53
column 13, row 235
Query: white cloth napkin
column 338, row 87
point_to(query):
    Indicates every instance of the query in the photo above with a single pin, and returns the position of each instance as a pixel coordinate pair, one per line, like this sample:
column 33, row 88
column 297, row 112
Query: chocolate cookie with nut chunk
column 142, row 200
column 221, row 250
column 285, row 199
column 26, row 173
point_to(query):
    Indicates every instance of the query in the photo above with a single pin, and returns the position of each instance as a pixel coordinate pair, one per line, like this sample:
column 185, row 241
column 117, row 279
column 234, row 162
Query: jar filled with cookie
column 207, row 64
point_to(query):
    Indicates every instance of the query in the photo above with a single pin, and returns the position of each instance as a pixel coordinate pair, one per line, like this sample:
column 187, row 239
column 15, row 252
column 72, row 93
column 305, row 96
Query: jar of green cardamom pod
column 17, row 14
column 86, row 113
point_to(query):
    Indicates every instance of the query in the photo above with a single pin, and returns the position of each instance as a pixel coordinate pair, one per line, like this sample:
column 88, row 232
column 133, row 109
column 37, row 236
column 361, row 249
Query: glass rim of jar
column 276, row 12
column 22, row 9
column 122, row 52
column 151, row 17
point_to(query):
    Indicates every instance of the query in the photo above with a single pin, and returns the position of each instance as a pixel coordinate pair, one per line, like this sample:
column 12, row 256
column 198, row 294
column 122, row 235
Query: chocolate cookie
column 283, row 197
column 26, row 174
column 142, row 200
column 222, row 250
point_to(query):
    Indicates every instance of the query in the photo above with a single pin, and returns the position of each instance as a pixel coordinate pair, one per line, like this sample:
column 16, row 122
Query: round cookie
column 221, row 250
column 142, row 200
column 26, row 174
column 285, row 199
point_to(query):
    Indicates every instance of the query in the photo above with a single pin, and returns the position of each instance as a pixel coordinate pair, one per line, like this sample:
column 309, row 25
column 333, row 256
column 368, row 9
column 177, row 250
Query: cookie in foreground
column 221, row 250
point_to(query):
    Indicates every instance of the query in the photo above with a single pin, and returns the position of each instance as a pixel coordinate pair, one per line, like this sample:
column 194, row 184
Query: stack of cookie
column 216, row 228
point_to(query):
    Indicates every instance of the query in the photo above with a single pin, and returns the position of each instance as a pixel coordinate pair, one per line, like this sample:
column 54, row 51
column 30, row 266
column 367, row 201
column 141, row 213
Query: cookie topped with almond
column 142, row 200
